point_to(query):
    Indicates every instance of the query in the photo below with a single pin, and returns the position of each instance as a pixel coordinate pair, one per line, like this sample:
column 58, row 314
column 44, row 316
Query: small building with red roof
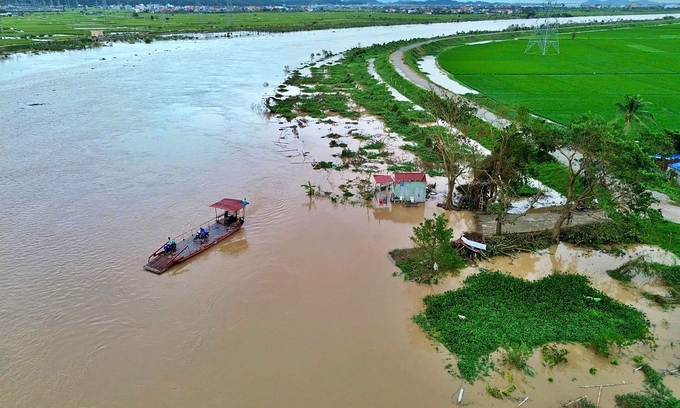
column 406, row 187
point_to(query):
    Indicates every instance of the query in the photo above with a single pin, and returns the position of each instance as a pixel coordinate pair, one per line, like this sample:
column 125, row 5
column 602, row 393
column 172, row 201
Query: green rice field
column 592, row 71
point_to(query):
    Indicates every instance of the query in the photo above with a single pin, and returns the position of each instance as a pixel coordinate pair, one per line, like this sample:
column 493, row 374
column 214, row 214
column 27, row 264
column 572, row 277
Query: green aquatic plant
column 493, row 308
column 552, row 355
column 499, row 393
column 517, row 356
column 668, row 275
column 655, row 394
column 309, row 188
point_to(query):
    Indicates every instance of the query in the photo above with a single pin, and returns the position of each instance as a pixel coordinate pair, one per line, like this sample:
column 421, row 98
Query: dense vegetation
column 495, row 310
column 591, row 71
column 594, row 235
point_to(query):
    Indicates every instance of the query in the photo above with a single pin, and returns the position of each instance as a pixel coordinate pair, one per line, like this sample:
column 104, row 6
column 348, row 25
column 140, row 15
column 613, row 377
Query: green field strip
column 592, row 72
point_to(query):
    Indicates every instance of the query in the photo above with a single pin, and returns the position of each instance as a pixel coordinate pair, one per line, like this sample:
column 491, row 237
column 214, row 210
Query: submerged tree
column 632, row 111
column 501, row 174
column 433, row 237
column 503, row 168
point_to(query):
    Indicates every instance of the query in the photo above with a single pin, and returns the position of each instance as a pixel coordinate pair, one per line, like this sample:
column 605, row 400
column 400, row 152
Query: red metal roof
column 383, row 179
column 399, row 177
column 229, row 204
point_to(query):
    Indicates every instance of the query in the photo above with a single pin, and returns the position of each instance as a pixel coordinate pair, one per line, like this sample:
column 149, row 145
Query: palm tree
column 633, row 110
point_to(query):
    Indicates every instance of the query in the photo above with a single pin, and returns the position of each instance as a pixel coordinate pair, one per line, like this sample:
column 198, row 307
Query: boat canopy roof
column 230, row 204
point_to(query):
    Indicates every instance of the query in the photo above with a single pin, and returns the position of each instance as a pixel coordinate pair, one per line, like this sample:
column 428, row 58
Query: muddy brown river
column 107, row 152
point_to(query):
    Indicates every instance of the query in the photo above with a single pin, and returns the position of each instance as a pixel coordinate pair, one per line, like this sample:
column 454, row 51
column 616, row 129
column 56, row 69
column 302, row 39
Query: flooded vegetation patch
column 668, row 275
column 494, row 309
column 335, row 143
column 341, row 88
column 375, row 145
column 357, row 191
column 581, row 403
column 360, row 136
column 403, row 167
column 661, row 232
column 655, row 394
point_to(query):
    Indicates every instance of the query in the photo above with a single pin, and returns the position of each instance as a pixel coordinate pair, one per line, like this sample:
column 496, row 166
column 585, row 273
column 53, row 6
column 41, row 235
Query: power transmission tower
column 545, row 35
column 230, row 14
column 104, row 7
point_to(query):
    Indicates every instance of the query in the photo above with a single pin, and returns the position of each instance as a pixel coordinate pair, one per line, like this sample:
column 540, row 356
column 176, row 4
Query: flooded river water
column 106, row 152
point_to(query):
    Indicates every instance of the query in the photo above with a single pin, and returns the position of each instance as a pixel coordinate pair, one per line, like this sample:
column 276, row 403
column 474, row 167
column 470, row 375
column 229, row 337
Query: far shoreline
column 97, row 37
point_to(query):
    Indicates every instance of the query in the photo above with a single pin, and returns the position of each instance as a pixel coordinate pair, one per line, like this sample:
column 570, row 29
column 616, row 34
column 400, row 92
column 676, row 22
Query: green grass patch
column 591, row 72
column 374, row 145
column 413, row 267
column 500, row 309
column 670, row 189
column 663, row 233
column 552, row 174
column 403, row 167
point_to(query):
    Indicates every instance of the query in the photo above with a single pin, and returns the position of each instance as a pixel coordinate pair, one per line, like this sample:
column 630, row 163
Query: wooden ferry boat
column 200, row 238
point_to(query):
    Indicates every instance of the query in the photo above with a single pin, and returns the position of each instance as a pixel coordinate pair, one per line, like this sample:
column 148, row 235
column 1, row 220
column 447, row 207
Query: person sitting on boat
column 203, row 234
column 170, row 246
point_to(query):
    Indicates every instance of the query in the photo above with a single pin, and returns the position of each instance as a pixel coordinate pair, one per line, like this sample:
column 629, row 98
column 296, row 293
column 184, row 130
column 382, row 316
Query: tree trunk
column 499, row 225
column 558, row 226
column 448, row 202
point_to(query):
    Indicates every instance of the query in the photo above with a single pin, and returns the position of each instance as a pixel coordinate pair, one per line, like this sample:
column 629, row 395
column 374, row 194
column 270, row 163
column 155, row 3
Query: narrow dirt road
column 397, row 60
